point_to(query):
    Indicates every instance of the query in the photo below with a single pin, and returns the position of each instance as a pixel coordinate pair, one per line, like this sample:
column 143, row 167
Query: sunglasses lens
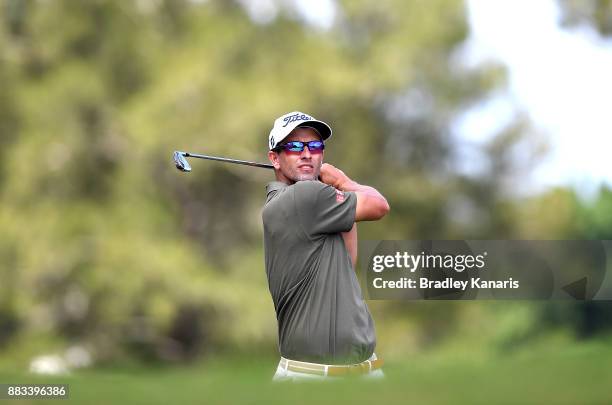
column 315, row 146
column 295, row 146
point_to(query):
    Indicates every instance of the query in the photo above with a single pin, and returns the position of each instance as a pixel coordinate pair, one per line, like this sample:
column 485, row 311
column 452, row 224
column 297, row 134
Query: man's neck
column 280, row 177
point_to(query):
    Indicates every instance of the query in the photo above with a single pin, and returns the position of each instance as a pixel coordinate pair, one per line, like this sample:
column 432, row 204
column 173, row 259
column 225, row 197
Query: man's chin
column 306, row 177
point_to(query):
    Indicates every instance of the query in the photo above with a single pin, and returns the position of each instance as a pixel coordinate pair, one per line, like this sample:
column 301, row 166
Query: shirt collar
column 275, row 186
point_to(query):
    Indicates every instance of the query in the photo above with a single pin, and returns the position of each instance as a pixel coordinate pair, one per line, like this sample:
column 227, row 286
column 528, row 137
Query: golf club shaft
column 221, row 159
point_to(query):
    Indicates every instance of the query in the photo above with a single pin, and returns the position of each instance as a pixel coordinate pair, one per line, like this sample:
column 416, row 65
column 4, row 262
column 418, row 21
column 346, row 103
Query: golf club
column 181, row 162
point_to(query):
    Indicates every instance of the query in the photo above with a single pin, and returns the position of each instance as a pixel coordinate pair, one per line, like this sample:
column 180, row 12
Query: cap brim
column 322, row 128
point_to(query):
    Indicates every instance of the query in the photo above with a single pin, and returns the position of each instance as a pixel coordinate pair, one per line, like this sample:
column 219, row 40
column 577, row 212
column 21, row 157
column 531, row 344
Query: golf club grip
column 220, row 159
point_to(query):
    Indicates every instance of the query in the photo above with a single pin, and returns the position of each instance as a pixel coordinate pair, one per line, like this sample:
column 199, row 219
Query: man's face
column 298, row 166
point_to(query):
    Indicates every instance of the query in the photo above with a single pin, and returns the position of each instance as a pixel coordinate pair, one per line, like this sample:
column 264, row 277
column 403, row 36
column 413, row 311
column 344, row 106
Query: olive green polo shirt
column 322, row 317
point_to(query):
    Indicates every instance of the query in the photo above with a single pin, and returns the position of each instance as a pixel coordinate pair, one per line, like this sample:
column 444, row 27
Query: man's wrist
column 347, row 185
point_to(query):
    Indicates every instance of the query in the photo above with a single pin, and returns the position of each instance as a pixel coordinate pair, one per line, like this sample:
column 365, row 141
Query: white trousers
column 282, row 374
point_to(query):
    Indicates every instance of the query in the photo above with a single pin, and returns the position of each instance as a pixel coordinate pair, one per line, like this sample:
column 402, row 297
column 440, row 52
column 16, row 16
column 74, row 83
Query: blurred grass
column 568, row 374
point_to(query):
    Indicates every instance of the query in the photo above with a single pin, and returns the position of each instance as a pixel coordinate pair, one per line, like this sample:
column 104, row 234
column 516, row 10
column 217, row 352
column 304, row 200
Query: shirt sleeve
column 323, row 209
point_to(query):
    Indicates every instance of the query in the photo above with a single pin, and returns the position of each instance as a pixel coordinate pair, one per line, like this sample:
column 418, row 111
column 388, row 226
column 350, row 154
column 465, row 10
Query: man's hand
column 371, row 205
column 333, row 176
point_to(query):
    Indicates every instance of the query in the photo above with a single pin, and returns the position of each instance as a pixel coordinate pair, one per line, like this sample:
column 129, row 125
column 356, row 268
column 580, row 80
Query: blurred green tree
column 594, row 13
column 107, row 243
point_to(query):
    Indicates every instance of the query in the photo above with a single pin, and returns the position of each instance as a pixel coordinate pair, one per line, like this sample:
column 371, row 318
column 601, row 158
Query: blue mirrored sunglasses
column 297, row 146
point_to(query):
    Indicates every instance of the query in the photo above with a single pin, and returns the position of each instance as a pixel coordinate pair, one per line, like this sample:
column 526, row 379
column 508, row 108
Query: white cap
column 288, row 122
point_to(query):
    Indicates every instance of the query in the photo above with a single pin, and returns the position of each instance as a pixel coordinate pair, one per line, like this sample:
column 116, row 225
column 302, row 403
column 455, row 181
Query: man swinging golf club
column 325, row 329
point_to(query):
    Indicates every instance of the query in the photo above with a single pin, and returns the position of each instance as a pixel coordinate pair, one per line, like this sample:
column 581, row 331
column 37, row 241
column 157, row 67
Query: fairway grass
column 577, row 374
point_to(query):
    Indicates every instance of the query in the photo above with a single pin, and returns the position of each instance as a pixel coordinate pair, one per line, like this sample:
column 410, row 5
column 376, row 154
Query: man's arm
column 350, row 241
column 371, row 205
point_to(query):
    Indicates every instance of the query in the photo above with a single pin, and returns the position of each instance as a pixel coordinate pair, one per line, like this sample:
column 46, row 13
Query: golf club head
column 180, row 161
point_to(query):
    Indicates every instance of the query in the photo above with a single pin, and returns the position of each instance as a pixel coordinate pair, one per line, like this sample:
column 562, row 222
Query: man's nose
column 305, row 153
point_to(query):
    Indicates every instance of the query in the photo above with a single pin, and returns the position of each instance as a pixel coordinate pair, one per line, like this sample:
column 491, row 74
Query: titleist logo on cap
column 295, row 117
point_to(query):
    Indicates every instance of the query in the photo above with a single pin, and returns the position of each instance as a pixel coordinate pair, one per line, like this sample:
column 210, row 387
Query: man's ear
column 274, row 159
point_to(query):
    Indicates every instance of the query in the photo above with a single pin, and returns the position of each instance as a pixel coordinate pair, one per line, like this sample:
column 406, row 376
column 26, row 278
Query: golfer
column 325, row 329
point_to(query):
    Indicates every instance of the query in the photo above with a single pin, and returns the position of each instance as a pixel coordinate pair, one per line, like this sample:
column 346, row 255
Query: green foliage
column 104, row 242
column 595, row 13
